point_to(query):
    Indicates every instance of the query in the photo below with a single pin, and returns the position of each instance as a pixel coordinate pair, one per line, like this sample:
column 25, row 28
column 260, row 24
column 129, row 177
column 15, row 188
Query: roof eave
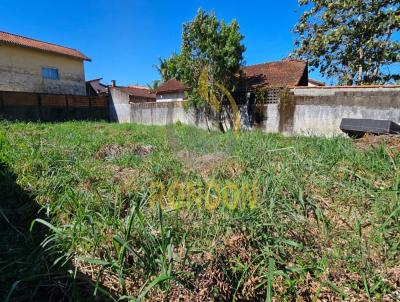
column 83, row 57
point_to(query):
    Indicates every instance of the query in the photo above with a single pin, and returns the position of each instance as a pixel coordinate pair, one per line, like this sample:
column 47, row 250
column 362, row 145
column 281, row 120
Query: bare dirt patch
column 114, row 151
column 143, row 150
column 122, row 175
column 203, row 164
column 369, row 142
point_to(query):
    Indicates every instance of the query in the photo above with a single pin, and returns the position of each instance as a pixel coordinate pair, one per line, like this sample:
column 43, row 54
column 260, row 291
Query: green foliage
column 353, row 41
column 154, row 85
column 171, row 67
column 207, row 43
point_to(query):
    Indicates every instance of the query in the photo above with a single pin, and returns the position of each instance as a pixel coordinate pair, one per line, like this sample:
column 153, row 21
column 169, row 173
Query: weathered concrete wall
column 306, row 111
column 21, row 70
column 319, row 111
column 325, row 120
column 270, row 121
column 119, row 106
column 165, row 113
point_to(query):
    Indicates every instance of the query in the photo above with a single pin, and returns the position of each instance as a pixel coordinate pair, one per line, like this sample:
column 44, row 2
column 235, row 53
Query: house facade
column 279, row 74
column 29, row 65
column 171, row 91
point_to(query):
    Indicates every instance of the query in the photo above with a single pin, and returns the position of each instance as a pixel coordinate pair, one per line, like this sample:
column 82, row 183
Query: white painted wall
column 171, row 97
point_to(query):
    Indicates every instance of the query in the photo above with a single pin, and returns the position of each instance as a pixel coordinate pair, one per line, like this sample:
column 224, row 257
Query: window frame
column 50, row 68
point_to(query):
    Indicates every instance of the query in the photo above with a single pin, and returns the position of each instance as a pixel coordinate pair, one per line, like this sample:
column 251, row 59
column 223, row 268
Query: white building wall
column 171, row 97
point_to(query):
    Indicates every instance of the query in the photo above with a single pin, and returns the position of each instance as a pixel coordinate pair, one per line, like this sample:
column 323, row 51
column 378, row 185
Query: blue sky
column 125, row 38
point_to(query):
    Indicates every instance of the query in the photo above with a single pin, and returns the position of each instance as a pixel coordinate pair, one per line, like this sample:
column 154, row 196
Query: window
column 50, row 73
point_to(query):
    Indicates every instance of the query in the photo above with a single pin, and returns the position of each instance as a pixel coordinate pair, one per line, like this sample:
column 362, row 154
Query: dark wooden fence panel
column 59, row 101
column 19, row 99
column 27, row 106
column 78, row 101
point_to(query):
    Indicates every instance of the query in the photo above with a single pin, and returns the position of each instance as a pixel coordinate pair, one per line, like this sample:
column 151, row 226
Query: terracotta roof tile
column 172, row 85
column 280, row 73
column 43, row 46
column 137, row 91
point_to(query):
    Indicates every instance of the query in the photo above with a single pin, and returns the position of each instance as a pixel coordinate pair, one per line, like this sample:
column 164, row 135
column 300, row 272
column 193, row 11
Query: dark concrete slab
column 358, row 127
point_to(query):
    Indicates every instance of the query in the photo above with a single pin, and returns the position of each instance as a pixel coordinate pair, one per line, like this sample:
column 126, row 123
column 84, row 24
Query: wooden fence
column 52, row 107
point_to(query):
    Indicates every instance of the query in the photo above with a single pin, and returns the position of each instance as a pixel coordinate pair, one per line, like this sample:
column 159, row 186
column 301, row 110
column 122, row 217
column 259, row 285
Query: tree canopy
column 351, row 40
column 207, row 43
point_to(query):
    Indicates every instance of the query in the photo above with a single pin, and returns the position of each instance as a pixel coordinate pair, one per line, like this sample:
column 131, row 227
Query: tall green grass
column 326, row 224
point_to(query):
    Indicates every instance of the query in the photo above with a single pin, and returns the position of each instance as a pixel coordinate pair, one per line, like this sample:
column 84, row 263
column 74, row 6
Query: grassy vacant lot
column 324, row 225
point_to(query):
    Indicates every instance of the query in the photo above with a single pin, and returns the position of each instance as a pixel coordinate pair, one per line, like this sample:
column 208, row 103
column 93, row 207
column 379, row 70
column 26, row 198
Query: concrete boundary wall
column 165, row 113
column 119, row 107
column 302, row 111
column 316, row 111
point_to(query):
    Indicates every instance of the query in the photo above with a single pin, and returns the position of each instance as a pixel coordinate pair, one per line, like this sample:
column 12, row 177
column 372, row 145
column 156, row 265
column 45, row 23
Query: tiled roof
column 281, row 73
column 138, row 91
column 39, row 45
column 172, row 85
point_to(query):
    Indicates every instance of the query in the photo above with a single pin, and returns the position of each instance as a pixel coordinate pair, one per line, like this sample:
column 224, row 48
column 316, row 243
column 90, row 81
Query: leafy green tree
column 170, row 68
column 154, row 85
column 351, row 40
column 211, row 44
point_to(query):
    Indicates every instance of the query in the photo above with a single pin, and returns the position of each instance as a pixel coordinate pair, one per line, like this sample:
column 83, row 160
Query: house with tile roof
column 171, row 91
column 136, row 94
column 284, row 73
column 30, row 65
column 279, row 74
column 139, row 94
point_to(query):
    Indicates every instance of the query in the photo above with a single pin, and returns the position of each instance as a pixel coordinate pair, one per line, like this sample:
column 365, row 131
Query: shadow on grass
column 27, row 272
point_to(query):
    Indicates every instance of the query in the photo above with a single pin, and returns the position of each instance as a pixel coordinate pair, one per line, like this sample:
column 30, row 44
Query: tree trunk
column 360, row 68
column 221, row 122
